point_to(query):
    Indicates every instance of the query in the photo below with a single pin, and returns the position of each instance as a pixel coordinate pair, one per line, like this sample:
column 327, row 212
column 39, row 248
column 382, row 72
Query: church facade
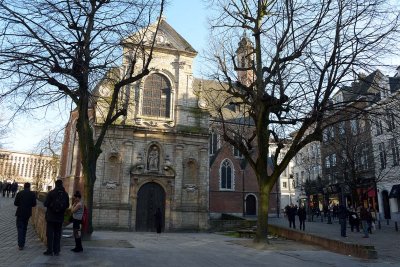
column 167, row 153
column 156, row 157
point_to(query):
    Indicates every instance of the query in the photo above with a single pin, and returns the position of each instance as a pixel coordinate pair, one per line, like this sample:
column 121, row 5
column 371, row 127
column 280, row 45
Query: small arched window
column 156, row 96
column 226, row 175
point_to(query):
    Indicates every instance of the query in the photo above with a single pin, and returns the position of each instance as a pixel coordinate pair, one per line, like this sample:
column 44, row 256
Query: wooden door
column 151, row 196
column 251, row 205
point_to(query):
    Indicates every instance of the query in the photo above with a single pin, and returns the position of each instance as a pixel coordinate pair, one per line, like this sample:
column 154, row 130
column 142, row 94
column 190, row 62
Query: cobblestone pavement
column 107, row 248
column 385, row 240
column 9, row 254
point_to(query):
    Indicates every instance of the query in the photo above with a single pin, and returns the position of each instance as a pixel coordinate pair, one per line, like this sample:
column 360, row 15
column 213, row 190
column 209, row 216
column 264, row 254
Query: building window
column 226, row 175
column 325, row 135
column 362, row 125
column 382, row 155
column 364, row 157
column 390, row 122
column 284, row 184
column 331, row 133
column 379, row 128
column 341, row 128
column 327, row 162
column 333, row 160
column 236, row 151
column 395, row 151
column 156, row 96
column 213, row 142
column 353, row 127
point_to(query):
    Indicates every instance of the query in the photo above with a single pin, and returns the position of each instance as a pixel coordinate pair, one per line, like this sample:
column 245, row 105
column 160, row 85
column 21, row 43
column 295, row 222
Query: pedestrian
column 354, row 220
column 342, row 215
column 4, row 188
column 8, row 189
column 364, row 221
column 301, row 212
column 370, row 220
column 158, row 220
column 335, row 211
column 292, row 216
column 77, row 214
column 14, row 188
column 25, row 201
column 57, row 201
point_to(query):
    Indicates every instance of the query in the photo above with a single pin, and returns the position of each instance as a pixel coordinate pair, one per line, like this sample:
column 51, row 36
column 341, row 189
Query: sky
column 187, row 17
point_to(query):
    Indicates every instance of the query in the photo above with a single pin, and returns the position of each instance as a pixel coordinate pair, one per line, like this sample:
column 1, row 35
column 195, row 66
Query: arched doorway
column 251, row 205
column 151, row 196
column 386, row 205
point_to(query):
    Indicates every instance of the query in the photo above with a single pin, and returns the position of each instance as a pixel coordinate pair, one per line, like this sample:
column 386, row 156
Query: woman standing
column 77, row 214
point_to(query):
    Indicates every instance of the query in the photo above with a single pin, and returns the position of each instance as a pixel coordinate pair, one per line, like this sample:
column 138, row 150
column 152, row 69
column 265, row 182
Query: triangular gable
column 167, row 38
column 172, row 39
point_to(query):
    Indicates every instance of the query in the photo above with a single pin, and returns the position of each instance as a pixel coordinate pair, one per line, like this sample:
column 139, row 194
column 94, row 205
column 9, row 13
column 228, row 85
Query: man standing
column 292, row 216
column 302, row 217
column 342, row 214
column 14, row 188
column 24, row 201
column 57, row 201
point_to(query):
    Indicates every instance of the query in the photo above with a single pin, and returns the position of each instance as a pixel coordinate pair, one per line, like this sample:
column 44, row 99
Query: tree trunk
column 89, row 155
column 262, row 221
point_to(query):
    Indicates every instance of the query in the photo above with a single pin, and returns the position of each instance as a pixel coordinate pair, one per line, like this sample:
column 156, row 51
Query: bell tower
column 245, row 63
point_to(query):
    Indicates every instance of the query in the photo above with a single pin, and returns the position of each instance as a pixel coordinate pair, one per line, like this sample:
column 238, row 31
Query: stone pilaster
column 179, row 175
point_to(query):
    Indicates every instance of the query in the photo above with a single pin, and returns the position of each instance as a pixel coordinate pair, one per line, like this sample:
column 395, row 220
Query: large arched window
column 156, row 96
column 226, row 175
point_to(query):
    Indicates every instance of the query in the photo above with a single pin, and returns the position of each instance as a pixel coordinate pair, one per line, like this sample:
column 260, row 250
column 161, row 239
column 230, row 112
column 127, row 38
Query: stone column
column 204, row 188
column 126, row 163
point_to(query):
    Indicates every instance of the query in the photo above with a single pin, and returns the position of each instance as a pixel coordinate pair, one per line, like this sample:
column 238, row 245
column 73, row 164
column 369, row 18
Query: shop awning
column 395, row 192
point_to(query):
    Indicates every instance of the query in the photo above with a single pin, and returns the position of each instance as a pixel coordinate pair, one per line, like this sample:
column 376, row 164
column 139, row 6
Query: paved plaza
column 108, row 248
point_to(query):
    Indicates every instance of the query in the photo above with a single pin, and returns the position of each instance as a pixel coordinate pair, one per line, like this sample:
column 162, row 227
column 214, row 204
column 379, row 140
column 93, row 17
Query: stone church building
column 157, row 156
column 164, row 154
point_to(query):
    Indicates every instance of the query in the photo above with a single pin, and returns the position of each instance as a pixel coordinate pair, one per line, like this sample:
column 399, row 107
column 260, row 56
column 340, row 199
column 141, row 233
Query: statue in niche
column 153, row 159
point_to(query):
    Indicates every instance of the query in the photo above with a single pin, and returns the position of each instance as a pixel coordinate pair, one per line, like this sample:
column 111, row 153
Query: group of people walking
column 8, row 188
column 356, row 217
column 291, row 212
column 56, row 203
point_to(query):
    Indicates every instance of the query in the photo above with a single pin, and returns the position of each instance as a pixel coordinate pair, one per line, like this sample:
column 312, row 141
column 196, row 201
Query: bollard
column 396, row 227
column 387, row 222
column 379, row 225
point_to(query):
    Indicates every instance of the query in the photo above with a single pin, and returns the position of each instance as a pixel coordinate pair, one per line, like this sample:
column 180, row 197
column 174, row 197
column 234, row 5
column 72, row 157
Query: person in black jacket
column 301, row 212
column 292, row 211
column 57, row 201
column 342, row 214
column 25, row 201
column 14, row 189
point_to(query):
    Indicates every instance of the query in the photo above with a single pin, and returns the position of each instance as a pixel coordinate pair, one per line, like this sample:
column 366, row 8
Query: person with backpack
column 57, row 201
column 25, row 201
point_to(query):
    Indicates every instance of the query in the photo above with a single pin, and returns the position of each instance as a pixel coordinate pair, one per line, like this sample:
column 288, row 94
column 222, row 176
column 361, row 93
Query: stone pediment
column 167, row 38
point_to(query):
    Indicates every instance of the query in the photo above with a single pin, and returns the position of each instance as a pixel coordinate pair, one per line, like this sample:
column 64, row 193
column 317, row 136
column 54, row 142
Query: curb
column 345, row 248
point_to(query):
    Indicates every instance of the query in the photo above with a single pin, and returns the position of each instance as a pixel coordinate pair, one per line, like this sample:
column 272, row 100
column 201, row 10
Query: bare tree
column 49, row 146
column 60, row 50
column 294, row 55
